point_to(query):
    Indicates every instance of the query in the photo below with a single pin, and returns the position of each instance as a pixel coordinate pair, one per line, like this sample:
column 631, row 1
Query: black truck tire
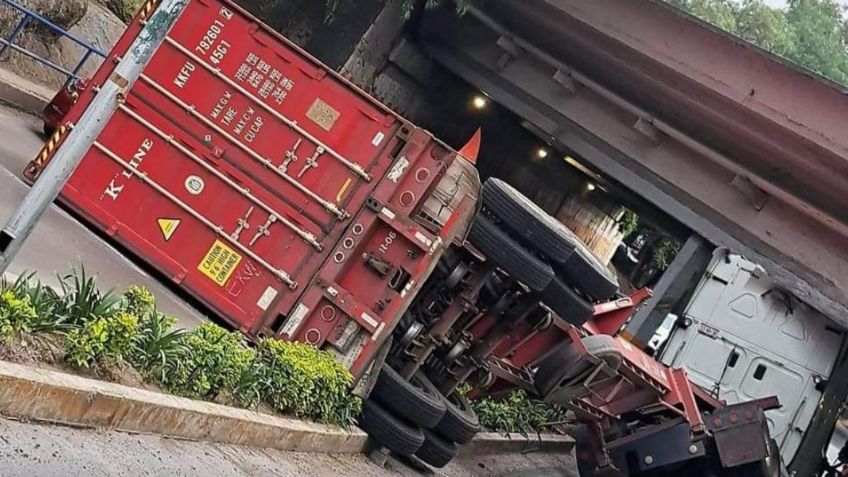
column 584, row 271
column 460, row 423
column 564, row 363
column 510, row 255
column 528, row 221
column 418, row 400
column 556, row 368
column 389, row 431
column 603, row 347
column 436, row 450
column 565, row 302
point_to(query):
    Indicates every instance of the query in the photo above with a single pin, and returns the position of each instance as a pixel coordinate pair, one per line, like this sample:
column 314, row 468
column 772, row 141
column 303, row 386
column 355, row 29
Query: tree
column 765, row 27
column 721, row 13
column 818, row 30
column 811, row 33
column 407, row 6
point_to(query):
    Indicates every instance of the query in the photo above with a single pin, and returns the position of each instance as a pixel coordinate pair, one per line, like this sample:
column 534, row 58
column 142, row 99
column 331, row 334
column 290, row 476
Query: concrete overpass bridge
column 747, row 151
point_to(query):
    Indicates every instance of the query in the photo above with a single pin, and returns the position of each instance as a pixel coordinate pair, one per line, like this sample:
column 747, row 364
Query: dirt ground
column 32, row 450
column 47, row 351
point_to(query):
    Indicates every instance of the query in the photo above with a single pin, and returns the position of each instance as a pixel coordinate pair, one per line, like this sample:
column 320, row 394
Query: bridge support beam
column 676, row 283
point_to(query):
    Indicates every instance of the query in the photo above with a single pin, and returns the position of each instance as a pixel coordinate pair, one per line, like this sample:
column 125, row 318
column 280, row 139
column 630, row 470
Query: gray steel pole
column 85, row 132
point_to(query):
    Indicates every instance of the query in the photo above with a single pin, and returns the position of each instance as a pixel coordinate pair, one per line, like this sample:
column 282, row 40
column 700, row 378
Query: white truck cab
column 740, row 338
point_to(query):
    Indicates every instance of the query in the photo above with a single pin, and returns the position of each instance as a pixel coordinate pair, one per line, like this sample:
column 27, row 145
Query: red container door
column 234, row 165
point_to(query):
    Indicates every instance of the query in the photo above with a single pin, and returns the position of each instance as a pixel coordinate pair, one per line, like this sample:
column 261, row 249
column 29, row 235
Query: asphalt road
column 60, row 242
column 31, row 450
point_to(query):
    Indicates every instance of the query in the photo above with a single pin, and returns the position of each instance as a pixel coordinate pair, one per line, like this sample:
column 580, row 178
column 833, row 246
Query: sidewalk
column 33, row 450
column 41, row 395
column 22, row 93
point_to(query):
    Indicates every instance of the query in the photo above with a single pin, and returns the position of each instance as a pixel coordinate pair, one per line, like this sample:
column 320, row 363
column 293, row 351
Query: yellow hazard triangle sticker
column 168, row 227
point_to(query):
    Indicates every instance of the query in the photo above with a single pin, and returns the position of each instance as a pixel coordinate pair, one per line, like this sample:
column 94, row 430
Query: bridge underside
column 743, row 149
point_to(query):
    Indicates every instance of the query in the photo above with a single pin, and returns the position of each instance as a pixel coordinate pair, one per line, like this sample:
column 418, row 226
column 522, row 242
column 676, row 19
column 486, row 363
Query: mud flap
column 741, row 432
column 368, row 379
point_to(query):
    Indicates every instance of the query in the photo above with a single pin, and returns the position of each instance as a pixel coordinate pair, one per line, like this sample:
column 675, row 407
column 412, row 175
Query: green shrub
column 406, row 7
column 43, row 301
column 15, row 314
column 109, row 337
column 248, row 388
column 82, row 301
column 665, row 251
column 515, row 413
column 293, row 378
column 208, row 362
column 307, row 382
column 158, row 346
column 139, row 301
column 628, row 223
column 212, row 363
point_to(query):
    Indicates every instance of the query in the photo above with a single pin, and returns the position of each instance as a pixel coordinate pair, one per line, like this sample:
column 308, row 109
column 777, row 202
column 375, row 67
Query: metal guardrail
column 30, row 16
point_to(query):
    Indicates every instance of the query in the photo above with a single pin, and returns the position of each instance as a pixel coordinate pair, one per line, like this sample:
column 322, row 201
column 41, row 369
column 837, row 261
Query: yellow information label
column 168, row 227
column 220, row 263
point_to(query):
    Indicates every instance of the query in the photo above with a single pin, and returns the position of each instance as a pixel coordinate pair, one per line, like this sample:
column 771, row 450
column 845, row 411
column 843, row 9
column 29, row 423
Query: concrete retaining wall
column 43, row 395
column 48, row 396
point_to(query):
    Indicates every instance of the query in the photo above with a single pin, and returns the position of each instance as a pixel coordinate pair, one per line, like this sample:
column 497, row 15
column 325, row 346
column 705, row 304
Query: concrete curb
column 49, row 396
column 22, row 93
column 492, row 443
column 43, row 395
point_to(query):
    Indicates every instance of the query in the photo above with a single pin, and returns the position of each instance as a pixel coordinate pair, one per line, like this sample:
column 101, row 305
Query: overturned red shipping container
column 278, row 194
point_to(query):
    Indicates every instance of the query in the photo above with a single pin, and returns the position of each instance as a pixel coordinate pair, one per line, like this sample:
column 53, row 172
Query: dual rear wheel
column 414, row 418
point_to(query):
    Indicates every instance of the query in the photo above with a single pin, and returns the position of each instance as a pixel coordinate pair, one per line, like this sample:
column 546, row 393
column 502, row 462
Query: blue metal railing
column 31, row 16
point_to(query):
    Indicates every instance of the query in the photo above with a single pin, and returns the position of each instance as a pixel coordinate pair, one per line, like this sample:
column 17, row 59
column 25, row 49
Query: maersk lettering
column 117, row 184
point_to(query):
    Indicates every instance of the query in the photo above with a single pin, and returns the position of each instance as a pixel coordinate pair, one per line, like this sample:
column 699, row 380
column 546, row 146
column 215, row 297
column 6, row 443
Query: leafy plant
column 516, row 413
column 248, row 388
column 664, row 253
column 139, row 301
column 42, row 299
column 307, row 382
column 82, row 301
column 15, row 314
column 212, row 363
column 208, row 362
column 158, row 345
column 108, row 337
column 628, row 223
column 406, row 7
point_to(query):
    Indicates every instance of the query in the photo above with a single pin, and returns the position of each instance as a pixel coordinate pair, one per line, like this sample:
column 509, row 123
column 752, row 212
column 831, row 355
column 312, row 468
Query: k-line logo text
column 117, row 184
